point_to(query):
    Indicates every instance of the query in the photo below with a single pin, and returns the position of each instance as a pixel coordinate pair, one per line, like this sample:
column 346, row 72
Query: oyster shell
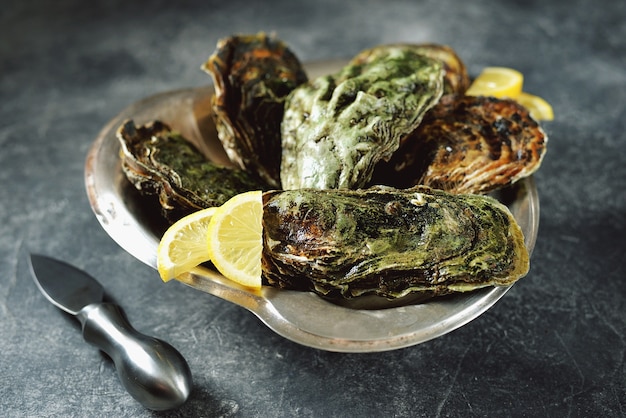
column 158, row 161
column 337, row 127
column 468, row 144
column 388, row 242
column 252, row 75
column 455, row 80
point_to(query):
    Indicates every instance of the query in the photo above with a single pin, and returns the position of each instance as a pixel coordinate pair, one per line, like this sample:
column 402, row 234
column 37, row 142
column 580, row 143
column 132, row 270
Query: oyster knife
column 151, row 370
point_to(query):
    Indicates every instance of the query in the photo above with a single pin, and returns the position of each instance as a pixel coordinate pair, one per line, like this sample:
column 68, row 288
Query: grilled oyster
column 468, row 144
column 252, row 75
column 337, row 127
column 455, row 80
column 159, row 161
column 388, row 242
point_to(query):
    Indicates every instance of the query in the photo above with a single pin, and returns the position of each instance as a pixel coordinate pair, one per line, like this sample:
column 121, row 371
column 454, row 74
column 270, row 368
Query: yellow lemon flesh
column 184, row 245
column 234, row 239
column 497, row 82
column 537, row 106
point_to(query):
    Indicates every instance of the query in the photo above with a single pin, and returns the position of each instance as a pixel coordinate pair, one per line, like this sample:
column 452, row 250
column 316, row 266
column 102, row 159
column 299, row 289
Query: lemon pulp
column 235, row 239
column 538, row 107
column 497, row 82
column 184, row 244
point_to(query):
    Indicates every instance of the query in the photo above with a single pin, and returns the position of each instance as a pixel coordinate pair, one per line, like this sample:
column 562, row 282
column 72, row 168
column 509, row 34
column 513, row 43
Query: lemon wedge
column 497, row 82
column 234, row 239
column 184, row 244
column 538, row 107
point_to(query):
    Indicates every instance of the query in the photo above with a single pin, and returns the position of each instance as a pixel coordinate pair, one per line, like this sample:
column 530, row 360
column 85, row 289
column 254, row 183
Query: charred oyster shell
column 468, row 144
column 388, row 242
column 252, row 75
column 337, row 127
column 158, row 161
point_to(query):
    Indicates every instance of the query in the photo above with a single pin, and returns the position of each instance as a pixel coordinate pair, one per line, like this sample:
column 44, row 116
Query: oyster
column 337, row 127
column 252, row 75
column 467, row 144
column 388, row 242
column 455, row 80
column 158, row 161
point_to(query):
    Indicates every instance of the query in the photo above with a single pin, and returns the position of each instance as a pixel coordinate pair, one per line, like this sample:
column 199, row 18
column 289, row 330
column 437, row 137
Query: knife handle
column 151, row 370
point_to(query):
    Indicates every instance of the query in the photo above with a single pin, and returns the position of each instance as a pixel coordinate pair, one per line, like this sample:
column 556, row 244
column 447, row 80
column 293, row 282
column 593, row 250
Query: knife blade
column 151, row 370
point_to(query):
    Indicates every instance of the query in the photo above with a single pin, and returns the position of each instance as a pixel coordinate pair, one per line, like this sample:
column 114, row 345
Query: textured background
column 553, row 346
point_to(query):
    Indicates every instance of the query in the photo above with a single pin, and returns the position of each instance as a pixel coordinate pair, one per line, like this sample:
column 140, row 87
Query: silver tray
column 135, row 224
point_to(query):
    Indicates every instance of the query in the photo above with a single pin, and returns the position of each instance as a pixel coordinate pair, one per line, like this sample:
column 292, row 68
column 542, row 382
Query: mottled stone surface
column 553, row 346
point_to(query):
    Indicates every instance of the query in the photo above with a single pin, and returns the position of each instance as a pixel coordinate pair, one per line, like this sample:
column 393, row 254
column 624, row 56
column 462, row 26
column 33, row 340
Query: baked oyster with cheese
column 389, row 243
column 337, row 127
column 158, row 161
column 252, row 75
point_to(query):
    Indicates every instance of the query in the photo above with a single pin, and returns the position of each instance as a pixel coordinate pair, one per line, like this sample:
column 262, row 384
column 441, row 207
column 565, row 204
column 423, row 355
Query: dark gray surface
column 554, row 346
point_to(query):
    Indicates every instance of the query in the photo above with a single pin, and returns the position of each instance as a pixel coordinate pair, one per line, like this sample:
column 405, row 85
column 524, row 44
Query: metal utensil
column 151, row 370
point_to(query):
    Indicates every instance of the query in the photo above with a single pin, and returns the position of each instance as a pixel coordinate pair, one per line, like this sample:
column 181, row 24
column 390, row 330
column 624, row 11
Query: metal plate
column 136, row 225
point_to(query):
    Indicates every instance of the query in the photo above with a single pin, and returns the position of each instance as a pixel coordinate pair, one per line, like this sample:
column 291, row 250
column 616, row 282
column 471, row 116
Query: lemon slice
column 184, row 245
column 498, row 82
column 234, row 237
column 537, row 106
